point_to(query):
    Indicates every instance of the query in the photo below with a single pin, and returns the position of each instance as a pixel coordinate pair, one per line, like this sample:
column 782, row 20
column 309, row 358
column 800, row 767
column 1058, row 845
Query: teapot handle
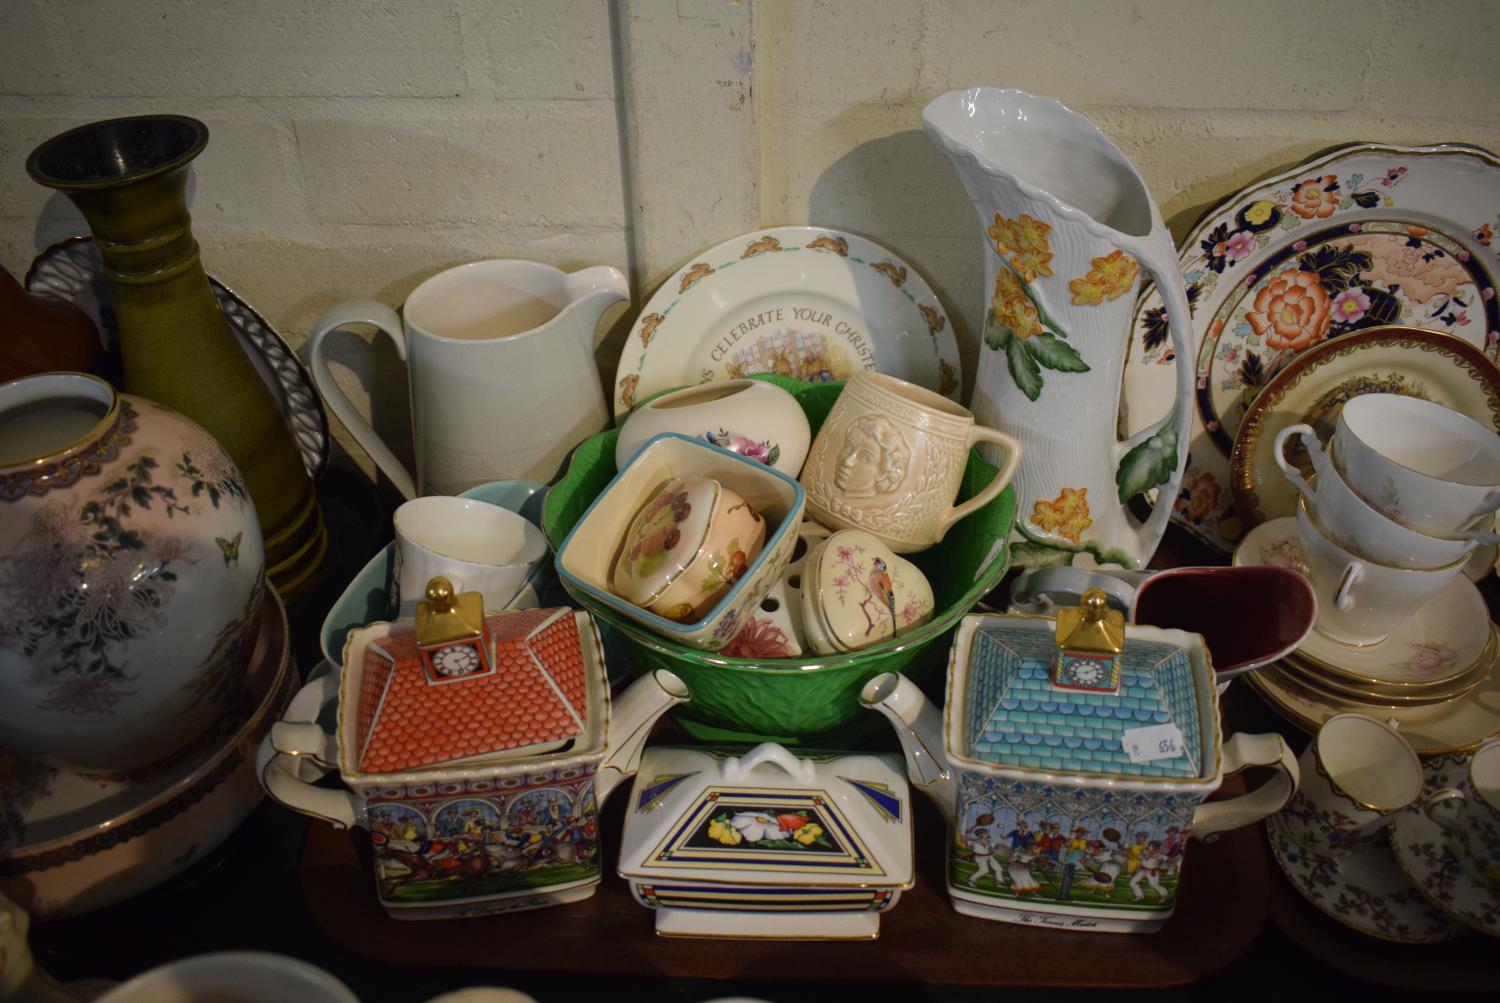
column 290, row 758
column 1240, row 751
column 1159, row 257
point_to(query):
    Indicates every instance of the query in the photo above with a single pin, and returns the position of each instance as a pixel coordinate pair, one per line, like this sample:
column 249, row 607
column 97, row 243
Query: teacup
column 1357, row 773
column 1359, row 599
column 1424, row 465
column 1356, row 524
column 477, row 546
column 889, row 460
column 1474, row 828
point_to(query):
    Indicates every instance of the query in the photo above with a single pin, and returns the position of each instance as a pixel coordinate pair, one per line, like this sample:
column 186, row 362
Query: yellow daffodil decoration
column 1067, row 515
column 1016, row 323
column 1110, row 278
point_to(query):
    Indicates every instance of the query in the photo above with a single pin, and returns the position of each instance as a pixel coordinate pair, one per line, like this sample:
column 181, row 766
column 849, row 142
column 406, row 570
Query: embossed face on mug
column 873, row 460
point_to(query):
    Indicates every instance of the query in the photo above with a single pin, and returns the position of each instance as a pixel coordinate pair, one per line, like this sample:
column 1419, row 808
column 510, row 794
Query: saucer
column 1318, row 679
column 71, row 843
column 1432, row 729
column 1448, row 882
column 1365, row 891
column 1445, row 638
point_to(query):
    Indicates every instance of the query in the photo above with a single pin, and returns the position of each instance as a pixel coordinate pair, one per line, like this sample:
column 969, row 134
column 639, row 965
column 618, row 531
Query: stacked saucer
column 1401, row 496
column 1437, row 673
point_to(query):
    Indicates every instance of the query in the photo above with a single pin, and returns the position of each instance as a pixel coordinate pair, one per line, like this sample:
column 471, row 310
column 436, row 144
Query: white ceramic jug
column 1067, row 226
column 500, row 357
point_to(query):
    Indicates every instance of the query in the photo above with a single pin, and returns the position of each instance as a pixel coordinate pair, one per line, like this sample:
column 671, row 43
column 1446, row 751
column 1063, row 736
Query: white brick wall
column 359, row 146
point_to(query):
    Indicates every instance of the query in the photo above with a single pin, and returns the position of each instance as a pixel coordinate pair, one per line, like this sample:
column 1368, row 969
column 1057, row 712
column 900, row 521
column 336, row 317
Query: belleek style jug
column 1068, row 225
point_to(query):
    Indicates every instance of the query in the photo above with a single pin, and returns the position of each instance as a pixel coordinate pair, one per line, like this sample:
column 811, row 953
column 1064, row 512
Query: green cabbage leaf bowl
column 812, row 700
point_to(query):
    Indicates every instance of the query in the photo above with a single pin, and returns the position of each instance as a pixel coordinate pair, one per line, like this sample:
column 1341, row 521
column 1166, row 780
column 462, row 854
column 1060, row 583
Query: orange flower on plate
column 1067, row 515
column 1202, row 495
column 1312, row 200
column 1013, row 308
column 1110, row 278
column 1292, row 311
column 1025, row 240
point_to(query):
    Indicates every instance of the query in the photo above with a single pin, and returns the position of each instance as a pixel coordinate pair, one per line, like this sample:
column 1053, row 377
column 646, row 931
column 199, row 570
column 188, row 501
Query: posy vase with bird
column 1067, row 227
column 128, row 177
column 856, row 592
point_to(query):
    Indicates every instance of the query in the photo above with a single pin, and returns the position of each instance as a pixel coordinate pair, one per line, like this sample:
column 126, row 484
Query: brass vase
column 128, row 176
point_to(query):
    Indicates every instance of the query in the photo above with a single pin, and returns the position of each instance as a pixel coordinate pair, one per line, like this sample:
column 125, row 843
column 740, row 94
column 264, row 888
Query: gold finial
column 1092, row 626
column 445, row 616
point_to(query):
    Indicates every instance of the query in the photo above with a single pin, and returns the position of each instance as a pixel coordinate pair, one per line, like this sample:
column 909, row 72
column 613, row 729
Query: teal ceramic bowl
column 814, row 700
column 368, row 597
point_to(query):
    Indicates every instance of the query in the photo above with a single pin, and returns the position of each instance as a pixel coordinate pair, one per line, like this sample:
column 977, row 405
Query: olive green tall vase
column 128, row 176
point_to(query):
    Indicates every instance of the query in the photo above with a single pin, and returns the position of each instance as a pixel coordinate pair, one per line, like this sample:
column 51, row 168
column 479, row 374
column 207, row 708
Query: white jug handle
column 1343, row 595
column 380, row 316
column 1161, row 262
column 1314, row 451
column 980, row 433
column 285, row 771
column 1240, row 751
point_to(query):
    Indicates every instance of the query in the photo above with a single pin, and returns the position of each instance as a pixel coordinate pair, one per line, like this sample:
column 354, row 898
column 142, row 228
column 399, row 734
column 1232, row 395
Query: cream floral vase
column 1068, row 228
column 131, row 568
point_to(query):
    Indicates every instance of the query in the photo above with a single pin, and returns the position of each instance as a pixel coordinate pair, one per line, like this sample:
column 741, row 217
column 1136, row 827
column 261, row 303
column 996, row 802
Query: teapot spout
column 631, row 718
column 591, row 291
column 919, row 725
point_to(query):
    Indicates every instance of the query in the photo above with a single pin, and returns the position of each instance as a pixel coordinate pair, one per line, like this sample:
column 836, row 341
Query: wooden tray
column 922, row 941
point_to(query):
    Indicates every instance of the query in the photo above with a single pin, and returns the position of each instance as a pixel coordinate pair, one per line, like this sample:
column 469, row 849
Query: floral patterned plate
column 1312, row 389
column 1365, row 890
column 1450, row 882
column 1366, row 236
column 72, row 270
column 1435, row 646
column 813, row 304
column 1432, row 729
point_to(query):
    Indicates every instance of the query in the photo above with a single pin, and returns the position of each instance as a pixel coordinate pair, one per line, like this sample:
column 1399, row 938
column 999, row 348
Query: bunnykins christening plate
column 1363, row 237
column 806, row 302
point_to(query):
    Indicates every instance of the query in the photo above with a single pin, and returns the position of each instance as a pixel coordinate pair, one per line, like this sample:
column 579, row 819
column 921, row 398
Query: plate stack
column 1402, row 494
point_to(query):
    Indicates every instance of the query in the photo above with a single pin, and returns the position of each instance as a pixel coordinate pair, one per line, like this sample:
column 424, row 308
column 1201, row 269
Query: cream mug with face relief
column 889, row 460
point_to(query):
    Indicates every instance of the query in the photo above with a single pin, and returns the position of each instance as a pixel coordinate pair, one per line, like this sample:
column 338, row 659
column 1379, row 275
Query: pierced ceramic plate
column 1365, row 236
column 72, row 270
column 805, row 302
column 1451, row 883
column 1314, row 387
column 1365, row 890
column 1440, row 642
